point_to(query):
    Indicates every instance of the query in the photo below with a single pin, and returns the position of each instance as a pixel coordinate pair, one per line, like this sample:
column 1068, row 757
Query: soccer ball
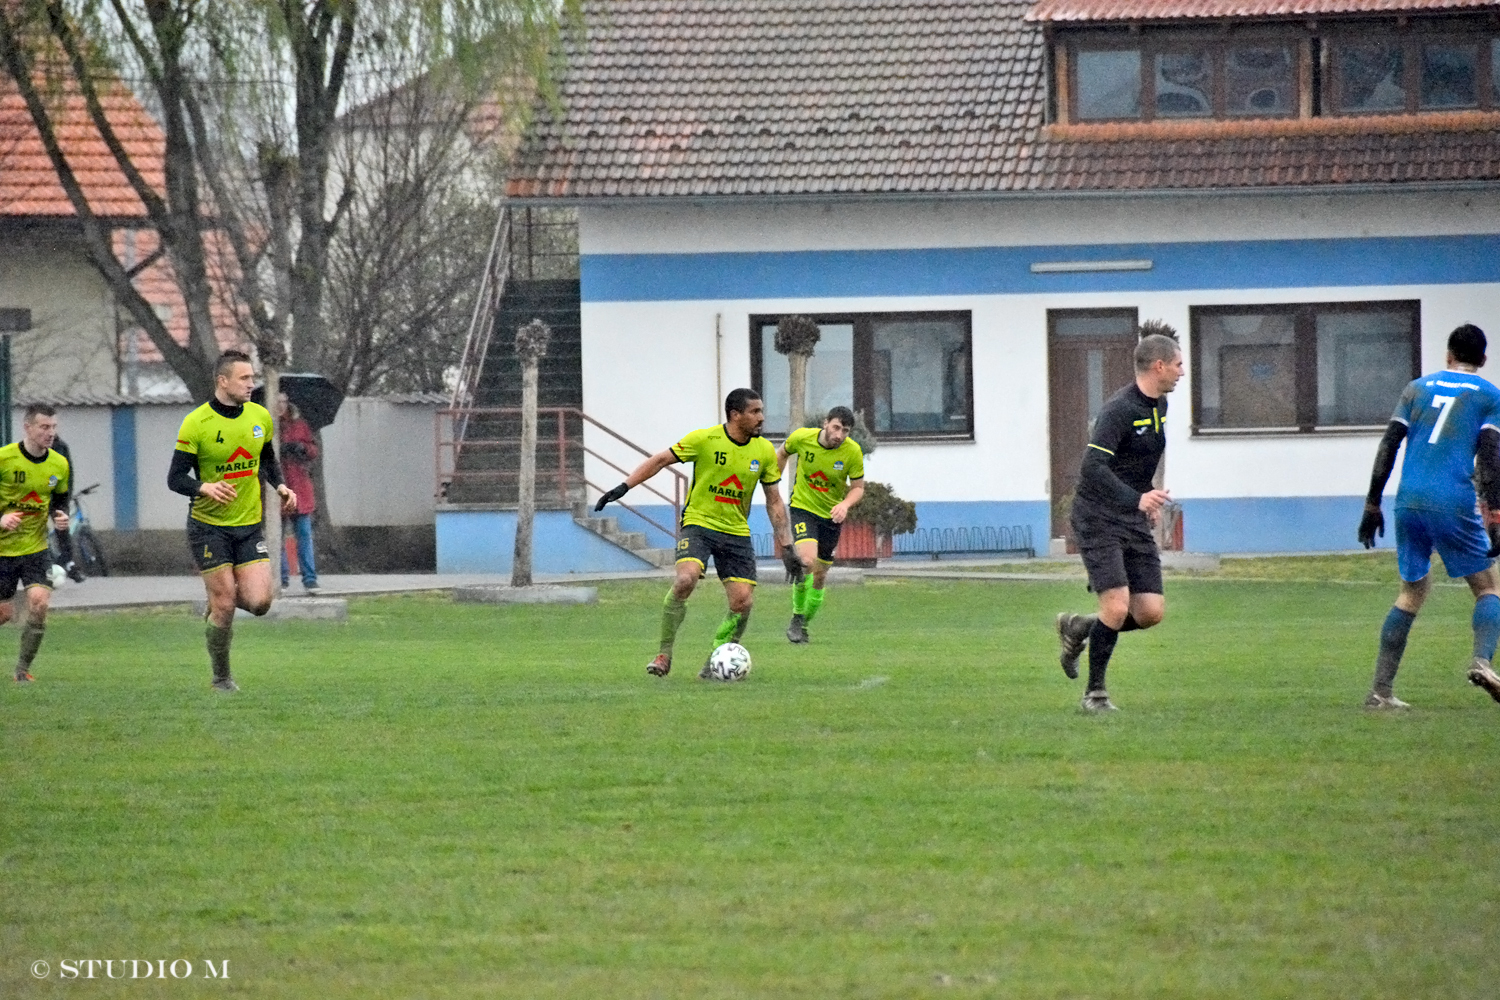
column 730, row 662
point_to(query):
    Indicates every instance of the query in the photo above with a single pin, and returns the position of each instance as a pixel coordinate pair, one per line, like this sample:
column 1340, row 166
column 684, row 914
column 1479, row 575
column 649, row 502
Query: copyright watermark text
column 131, row 968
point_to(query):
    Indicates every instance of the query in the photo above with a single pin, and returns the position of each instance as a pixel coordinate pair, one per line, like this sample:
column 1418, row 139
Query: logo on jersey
column 724, row 494
column 755, row 465
column 838, row 466
column 257, row 432
column 52, row 481
column 241, row 464
column 818, row 481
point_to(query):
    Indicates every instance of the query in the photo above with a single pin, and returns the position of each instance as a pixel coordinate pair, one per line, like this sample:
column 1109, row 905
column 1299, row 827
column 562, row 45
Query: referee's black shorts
column 1118, row 551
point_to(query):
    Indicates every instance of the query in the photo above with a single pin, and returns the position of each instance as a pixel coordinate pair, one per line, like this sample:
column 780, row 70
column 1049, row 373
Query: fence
column 939, row 542
column 478, row 459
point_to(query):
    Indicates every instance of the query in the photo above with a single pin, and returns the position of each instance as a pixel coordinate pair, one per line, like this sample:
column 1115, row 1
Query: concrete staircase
column 634, row 542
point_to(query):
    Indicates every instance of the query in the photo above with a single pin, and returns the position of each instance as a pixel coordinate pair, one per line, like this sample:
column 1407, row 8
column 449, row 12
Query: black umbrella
column 314, row 395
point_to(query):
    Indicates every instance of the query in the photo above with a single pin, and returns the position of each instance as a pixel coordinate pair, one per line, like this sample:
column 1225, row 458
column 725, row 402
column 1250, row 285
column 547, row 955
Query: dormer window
column 1170, row 76
column 1114, row 72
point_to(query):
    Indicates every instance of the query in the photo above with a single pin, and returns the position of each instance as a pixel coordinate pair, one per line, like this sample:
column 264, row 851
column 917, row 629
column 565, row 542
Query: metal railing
column 939, row 542
column 977, row 540
column 482, row 323
column 552, row 468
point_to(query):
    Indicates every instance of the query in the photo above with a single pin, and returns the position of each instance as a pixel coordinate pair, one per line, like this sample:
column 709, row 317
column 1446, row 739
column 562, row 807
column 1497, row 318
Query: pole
column 270, row 502
column 520, row 568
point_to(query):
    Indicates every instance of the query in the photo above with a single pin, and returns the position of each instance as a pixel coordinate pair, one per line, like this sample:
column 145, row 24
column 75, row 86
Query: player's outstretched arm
column 1372, row 522
column 782, row 456
column 643, row 472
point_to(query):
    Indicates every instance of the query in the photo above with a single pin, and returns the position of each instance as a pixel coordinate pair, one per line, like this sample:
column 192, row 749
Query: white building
column 978, row 201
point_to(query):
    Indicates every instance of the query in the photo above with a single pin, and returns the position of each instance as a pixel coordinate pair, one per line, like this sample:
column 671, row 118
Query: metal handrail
column 464, row 414
column 482, row 322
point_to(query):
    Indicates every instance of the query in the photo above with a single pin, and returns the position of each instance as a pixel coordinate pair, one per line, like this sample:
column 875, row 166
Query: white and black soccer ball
column 730, row 662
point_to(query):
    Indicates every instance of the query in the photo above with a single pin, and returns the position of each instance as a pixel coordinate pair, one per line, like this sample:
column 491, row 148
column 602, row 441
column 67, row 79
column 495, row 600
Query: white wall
column 649, row 366
column 723, row 227
column 378, row 462
column 71, row 346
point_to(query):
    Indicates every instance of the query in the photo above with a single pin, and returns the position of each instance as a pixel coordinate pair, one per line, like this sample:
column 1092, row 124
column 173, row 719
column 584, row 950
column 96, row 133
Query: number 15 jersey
column 725, row 474
column 1444, row 413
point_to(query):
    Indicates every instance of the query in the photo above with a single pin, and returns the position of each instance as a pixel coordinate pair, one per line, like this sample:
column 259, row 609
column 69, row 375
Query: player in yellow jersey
column 34, row 487
column 830, row 480
column 728, row 460
column 223, row 452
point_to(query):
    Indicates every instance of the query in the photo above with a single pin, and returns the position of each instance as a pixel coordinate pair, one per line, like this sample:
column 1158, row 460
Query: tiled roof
column 28, row 184
column 685, row 98
column 1162, row 10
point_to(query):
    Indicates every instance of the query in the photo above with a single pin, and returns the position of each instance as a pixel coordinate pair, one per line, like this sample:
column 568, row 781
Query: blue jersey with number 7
column 1444, row 413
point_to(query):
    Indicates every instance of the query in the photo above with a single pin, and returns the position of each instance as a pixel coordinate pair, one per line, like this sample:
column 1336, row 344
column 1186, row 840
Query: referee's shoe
column 1073, row 634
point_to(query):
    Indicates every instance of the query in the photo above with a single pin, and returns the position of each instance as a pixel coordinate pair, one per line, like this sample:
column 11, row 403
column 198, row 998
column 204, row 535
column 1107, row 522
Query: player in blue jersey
column 1450, row 421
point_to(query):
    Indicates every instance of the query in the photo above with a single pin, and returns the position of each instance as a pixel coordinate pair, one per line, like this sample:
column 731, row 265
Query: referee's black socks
column 1102, row 640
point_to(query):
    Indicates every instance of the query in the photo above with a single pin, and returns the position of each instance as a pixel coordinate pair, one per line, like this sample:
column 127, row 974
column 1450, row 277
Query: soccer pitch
column 440, row 800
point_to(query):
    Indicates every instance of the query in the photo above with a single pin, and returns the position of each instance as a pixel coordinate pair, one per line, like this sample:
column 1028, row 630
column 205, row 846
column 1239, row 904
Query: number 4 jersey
column 1443, row 413
column 228, row 449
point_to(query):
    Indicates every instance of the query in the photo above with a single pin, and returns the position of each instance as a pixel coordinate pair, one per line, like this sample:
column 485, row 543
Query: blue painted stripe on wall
column 484, row 542
column 1273, row 524
column 122, row 438
column 1436, row 260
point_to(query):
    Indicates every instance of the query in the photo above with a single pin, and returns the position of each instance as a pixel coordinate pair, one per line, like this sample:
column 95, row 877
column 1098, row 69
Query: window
column 1173, row 75
column 1383, row 70
column 908, row 374
column 1257, row 70
column 1301, row 367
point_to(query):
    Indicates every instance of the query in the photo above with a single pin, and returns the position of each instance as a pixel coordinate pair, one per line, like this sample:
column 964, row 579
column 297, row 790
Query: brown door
column 1090, row 355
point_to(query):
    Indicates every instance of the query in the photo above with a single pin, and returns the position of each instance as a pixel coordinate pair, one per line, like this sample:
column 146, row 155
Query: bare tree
column 404, row 264
column 797, row 337
column 247, row 95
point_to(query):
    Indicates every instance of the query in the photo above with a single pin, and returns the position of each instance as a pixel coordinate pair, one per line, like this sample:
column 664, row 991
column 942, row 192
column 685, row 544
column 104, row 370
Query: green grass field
column 439, row 800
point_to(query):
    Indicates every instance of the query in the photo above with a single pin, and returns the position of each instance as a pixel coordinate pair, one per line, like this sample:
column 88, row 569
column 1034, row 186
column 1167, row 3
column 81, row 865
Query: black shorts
column 806, row 525
column 215, row 545
column 29, row 571
column 733, row 555
column 1117, row 553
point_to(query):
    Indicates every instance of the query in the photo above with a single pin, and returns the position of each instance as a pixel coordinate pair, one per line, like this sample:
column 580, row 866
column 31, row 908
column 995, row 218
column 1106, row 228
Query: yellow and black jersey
column 34, row 487
column 823, row 474
column 725, row 474
column 228, row 444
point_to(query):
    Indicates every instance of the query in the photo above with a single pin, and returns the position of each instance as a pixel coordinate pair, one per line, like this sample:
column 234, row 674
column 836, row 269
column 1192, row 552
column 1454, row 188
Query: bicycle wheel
column 90, row 555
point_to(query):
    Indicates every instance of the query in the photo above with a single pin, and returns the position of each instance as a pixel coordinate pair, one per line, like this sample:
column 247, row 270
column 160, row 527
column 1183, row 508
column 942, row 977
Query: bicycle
column 87, row 554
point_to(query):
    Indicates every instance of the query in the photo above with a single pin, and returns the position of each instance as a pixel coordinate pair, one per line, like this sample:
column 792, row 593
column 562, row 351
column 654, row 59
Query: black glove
column 1370, row 525
column 1493, row 530
column 611, row 496
column 794, row 571
column 74, row 573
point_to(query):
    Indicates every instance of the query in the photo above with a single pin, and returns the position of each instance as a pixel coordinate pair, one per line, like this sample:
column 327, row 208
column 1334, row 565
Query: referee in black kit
column 1113, row 512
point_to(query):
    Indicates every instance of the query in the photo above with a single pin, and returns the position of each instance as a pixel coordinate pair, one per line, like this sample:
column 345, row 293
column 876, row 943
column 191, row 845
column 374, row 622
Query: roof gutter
column 1152, row 194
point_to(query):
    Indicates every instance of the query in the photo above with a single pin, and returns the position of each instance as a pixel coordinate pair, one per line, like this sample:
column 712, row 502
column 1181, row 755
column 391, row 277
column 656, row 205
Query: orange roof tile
column 1171, row 10
column 28, row 184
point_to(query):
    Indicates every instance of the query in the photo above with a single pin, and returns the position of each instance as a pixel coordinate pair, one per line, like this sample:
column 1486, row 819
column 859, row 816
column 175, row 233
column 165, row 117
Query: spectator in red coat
column 298, row 451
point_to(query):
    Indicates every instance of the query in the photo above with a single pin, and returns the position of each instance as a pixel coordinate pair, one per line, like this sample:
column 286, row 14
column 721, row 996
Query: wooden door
column 1090, row 355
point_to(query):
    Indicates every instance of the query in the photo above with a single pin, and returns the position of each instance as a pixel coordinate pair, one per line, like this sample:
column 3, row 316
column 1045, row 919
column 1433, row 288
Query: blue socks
column 1486, row 625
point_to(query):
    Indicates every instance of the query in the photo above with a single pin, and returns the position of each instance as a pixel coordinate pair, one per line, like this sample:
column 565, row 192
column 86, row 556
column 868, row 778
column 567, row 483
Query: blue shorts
column 1459, row 538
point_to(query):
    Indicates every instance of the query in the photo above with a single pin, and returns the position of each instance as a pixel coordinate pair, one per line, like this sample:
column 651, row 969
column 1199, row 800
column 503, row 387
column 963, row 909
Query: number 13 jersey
column 1443, row 413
